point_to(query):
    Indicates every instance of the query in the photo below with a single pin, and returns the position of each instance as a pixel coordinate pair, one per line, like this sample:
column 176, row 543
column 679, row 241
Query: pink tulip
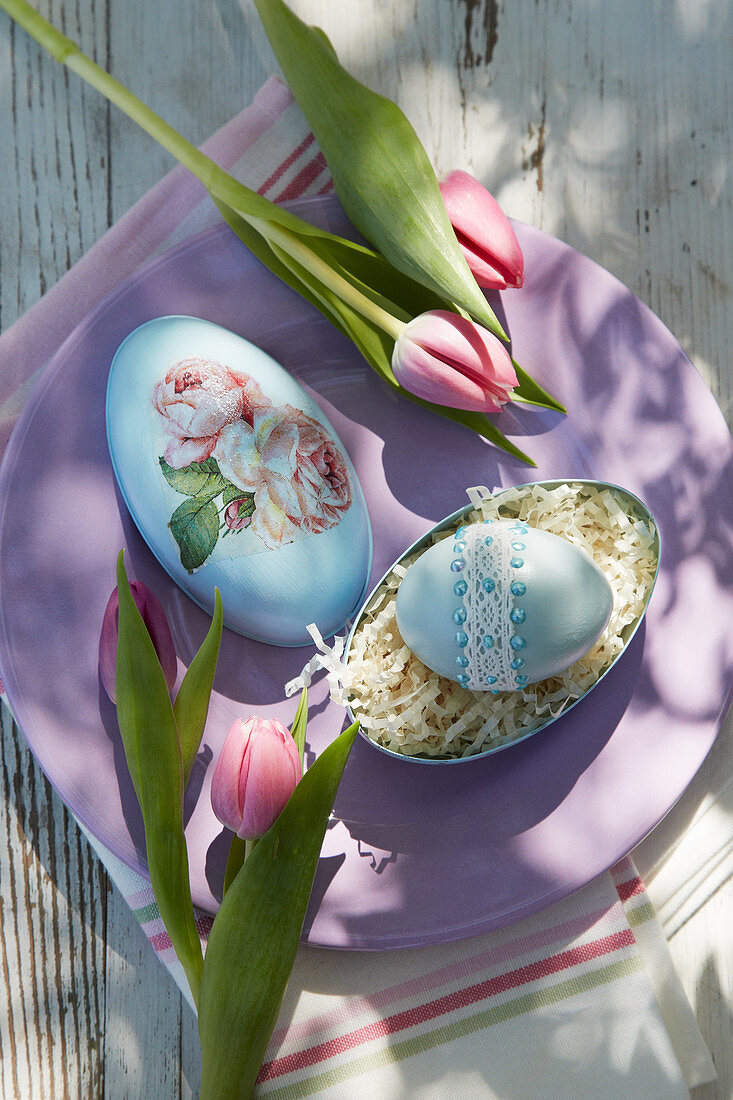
column 449, row 360
column 484, row 232
column 255, row 775
column 154, row 618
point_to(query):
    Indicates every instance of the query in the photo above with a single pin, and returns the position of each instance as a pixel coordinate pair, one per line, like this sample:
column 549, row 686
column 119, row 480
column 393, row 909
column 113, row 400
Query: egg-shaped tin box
column 236, row 480
column 581, row 620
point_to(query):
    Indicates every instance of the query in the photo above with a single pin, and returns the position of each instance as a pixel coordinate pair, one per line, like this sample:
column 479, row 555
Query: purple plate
column 414, row 855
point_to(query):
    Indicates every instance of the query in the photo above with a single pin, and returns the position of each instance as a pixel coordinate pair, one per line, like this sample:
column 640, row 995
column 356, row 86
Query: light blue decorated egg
column 236, row 480
column 500, row 605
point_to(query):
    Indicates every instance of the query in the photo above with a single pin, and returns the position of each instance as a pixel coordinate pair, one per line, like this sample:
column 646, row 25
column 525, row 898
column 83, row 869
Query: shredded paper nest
column 407, row 708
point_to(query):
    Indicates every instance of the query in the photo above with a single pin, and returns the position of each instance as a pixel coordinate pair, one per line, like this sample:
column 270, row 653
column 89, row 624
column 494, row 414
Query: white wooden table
column 608, row 125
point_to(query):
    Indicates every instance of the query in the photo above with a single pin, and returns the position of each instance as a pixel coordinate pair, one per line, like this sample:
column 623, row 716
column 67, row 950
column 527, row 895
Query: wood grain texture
column 608, row 125
column 54, row 901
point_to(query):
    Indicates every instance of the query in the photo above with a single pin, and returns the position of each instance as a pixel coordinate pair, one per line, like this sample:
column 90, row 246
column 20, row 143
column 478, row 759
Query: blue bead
column 518, row 546
column 517, row 615
column 516, row 642
column 493, row 691
column 461, row 638
column 459, row 615
column 518, row 662
column 460, row 546
column 491, row 679
column 521, row 680
column 457, row 565
column 488, row 640
column 488, row 585
column 488, row 540
column 518, row 588
column 488, row 521
column 462, row 678
column 462, row 661
column 460, row 533
column 460, row 588
column 520, row 527
column 517, row 563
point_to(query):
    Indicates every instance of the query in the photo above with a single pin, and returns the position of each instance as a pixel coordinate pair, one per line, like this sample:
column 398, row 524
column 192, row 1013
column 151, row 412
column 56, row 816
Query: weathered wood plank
column 53, row 916
column 142, row 1013
column 53, row 893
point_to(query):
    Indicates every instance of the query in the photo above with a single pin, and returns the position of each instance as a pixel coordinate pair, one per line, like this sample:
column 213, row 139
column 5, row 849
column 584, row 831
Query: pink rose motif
column 295, row 470
column 196, row 399
column 232, row 517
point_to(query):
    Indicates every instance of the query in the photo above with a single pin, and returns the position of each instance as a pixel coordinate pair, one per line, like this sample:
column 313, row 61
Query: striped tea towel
column 579, row 999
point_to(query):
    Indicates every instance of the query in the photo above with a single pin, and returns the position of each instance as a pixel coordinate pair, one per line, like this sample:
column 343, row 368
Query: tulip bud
column 484, row 232
column 444, row 358
column 255, row 775
column 154, row 618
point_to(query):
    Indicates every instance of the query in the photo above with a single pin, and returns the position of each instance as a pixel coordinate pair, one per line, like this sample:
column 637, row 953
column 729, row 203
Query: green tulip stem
column 237, row 855
column 69, row 54
column 239, row 850
column 299, row 251
column 221, row 186
column 215, row 179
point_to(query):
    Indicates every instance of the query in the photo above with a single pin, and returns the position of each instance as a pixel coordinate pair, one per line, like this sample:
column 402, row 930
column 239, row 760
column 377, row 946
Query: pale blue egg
column 236, row 480
column 501, row 605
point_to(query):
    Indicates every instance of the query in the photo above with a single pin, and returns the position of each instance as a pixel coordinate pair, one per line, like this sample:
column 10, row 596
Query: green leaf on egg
column 233, row 492
column 197, row 479
column 195, row 527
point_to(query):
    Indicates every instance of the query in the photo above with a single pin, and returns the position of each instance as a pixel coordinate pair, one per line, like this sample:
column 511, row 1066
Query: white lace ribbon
column 489, row 600
column 488, row 614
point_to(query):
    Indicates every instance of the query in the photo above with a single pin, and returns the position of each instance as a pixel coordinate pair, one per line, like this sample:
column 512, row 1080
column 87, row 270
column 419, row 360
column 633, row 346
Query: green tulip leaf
column 153, row 753
column 257, row 244
column 531, row 392
column 376, row 347
column 368, row 270
column 381, row 172
column 191, row 705
column 256, row 932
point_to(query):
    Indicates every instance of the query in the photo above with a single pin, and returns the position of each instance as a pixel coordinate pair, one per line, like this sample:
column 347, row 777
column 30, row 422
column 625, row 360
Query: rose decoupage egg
column 236, row 480
column 500, row 605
